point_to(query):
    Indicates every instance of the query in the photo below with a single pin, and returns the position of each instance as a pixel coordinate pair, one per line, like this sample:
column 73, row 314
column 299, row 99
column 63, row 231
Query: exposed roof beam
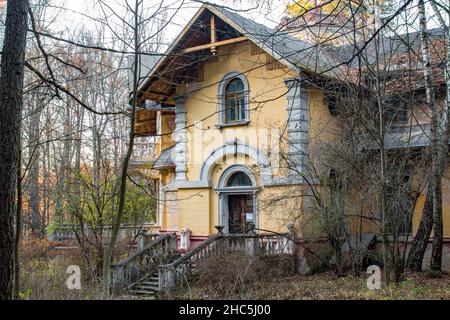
column 215, row 44
column 158, row 107
column 213, row 35
column 148, row 95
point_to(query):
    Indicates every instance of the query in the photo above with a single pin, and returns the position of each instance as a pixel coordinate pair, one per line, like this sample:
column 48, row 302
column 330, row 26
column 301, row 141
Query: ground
column 43, row 276
column 326, row 286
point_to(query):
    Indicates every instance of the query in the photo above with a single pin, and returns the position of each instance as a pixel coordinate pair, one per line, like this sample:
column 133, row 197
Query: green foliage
column 51, row 228
column 101, row 206
column 139, row 206
column 25, row 295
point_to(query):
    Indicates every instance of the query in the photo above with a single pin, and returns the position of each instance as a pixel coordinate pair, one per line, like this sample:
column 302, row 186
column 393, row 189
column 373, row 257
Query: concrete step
column 136, row 297
column 141, row 292
column 149, row 283
column 146, row 288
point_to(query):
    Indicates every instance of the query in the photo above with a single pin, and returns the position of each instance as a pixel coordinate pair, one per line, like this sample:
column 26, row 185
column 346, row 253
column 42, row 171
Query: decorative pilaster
column 298, row 126
column 180, row 137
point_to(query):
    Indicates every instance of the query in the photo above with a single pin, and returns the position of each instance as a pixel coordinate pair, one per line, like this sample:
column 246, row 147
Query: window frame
column 222, row 101
column 230, row 183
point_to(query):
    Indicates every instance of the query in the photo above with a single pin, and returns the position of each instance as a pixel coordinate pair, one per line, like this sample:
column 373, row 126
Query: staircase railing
column 219, row 243
column 146, row 260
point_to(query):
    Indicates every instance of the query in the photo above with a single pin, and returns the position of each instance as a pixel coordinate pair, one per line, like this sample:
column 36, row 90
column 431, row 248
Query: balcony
column 145, row 152
column 148, row 155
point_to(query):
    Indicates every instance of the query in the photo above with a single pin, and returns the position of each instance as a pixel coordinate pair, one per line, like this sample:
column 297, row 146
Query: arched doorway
column 238, row 205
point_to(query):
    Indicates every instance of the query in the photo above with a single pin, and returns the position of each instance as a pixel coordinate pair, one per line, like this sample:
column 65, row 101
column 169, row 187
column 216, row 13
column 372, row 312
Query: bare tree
column 11, row 100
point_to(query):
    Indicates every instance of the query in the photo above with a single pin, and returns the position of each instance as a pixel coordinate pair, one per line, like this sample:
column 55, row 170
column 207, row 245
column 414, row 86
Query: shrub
column 234, row 275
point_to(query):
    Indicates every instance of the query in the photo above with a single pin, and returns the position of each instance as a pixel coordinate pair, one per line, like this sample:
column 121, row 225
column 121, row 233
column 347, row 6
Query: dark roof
column 332, row 62
column 281, row 45
column 394, row 45
column 165, row 159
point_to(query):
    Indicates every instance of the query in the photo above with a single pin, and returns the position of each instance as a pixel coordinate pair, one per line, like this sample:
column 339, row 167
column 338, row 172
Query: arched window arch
column 237, row 176
column 233, row 100
column 239, row 179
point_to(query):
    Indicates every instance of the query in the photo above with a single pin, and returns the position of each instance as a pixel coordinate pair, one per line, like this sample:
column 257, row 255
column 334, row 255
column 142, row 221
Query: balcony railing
column 144, row 153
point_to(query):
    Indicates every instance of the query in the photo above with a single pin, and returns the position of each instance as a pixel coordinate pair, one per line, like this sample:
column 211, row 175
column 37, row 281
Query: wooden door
column 238, row 208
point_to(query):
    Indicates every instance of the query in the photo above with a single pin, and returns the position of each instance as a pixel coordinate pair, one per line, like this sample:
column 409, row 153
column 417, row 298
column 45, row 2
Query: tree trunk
column 443, row 136
column 18, row 236
column 420, row 242
column 35, row 199
column 383, row 162
column 436, row 173
column 419, row 245
column 124, row 174
column 11, row 102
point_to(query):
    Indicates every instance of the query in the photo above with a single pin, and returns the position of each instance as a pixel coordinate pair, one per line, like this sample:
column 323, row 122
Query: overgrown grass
column 43, row 277
column 223, row 280
column 43, row 273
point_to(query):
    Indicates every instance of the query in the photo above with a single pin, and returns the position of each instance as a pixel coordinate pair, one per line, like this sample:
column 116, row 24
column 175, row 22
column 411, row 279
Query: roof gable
column 178, row 62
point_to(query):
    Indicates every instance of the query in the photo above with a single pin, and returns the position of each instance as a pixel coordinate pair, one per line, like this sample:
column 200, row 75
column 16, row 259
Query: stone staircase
column 149, row 286
column 158, row 266
column 137, row 277
column 252, row 244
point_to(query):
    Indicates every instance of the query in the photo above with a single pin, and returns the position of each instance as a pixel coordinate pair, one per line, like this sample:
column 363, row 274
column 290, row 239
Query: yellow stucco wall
column 197, row 209
column 194, row 210
column 322, row 130
column 267, row 103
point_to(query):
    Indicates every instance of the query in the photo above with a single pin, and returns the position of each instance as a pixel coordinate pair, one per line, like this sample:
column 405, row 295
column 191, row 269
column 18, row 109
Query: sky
column 76, row 11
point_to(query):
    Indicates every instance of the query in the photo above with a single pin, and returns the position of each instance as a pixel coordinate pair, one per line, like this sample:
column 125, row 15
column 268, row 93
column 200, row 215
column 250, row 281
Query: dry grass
column 43, row 273
column 43, row 276
column 233, row 281
column 43, row 267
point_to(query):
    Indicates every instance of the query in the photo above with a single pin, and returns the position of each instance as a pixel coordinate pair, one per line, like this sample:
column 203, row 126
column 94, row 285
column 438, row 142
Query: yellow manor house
column 243, row 126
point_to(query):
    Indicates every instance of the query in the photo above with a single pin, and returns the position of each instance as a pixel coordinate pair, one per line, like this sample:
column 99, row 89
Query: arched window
column 239, row 179
column 235, row 101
